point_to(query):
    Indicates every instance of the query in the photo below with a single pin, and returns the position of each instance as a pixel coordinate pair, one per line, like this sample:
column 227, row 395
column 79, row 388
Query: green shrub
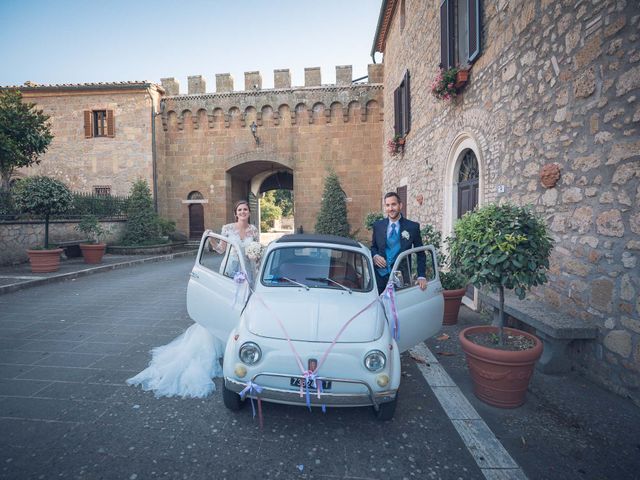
column 165, row 226
column 332, row 219
column 371, row 218
column 43, row 196
column 91, row 228
column 142, row 221
column 502, row 246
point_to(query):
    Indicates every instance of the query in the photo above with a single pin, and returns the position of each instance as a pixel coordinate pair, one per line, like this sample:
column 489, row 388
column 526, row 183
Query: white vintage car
column 312, row 317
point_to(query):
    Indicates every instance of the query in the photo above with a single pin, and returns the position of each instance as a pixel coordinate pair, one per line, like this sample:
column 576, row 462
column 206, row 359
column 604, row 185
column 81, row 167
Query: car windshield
column 317, row 267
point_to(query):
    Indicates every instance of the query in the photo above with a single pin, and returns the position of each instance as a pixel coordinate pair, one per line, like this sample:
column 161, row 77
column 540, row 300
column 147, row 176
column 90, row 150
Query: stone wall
column 209, row 148
column 556, row 82
column 83, row 163
column 17, row 237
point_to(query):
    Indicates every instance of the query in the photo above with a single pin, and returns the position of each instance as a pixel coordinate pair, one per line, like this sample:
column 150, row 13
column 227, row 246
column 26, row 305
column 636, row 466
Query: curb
column 14, row 287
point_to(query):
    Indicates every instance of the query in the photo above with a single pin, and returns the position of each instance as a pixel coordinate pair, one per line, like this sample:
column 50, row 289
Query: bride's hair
column 238, row 203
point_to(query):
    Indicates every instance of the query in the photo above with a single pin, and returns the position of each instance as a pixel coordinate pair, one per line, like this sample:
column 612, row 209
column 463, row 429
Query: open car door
column 419, row 311
column 214, row 300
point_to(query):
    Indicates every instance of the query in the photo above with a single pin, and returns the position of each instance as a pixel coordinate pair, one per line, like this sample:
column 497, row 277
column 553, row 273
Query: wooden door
column 196, row 221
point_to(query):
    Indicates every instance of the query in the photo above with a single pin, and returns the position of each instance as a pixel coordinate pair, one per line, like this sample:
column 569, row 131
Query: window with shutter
column 402, row 193
column 88, row 131
column 401, row 107
column 110, row 124
column 460, row 32
column 474, row 29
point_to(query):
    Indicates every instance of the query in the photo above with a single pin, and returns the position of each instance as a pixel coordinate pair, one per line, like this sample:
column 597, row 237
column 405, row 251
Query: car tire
column 231, row 399
column 386, row 410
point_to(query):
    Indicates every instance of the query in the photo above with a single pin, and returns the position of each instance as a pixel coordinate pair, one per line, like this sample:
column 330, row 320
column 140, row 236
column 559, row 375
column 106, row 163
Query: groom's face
column 392, row 207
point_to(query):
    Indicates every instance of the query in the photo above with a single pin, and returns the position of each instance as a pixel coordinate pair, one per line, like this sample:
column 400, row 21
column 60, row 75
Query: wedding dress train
column 184, row 367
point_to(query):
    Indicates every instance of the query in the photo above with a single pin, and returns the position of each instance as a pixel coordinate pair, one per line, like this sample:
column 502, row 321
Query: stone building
column 223, row 146
column 554, row 85
column 201, row 152
column 104, row 136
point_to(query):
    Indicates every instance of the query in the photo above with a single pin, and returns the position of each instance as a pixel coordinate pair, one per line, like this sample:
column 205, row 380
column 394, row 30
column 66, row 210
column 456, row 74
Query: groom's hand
column 379, row 261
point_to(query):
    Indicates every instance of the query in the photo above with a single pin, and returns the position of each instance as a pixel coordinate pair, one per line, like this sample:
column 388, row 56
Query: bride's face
column 242, row 212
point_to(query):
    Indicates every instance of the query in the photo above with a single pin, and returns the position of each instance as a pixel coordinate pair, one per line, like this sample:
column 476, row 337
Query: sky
column 71, row 41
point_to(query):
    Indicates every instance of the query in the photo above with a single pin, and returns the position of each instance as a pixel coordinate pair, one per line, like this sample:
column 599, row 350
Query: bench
column 72, row 247
column 557, row 330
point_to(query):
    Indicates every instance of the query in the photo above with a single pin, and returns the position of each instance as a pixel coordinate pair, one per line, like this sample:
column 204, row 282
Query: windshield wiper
column 306, row 287
column 327, row 279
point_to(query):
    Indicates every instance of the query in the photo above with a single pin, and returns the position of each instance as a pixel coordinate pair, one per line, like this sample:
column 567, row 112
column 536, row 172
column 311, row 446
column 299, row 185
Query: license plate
column 295, row 382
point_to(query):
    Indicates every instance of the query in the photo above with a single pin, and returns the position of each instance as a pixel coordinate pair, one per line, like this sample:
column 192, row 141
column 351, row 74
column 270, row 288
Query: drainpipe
column 153, row 152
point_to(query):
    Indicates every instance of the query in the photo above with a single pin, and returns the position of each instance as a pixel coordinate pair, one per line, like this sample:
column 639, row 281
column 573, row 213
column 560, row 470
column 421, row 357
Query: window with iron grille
column 99, row 123
column 102, row 190
column 460, row 32
column 401, row 107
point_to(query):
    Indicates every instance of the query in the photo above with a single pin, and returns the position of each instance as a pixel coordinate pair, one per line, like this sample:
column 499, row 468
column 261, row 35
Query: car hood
column 315, row 315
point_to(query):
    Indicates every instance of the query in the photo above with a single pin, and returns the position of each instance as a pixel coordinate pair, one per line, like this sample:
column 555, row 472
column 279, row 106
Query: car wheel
column 386, row 410
column 231, row 399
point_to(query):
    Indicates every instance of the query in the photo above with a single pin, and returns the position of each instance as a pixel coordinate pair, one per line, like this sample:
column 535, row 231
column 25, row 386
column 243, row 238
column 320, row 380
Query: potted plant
column 444, row 85
column 452, row 280
column 396, row 145
column 504, row 247
column 92, row 250
column 43, row 196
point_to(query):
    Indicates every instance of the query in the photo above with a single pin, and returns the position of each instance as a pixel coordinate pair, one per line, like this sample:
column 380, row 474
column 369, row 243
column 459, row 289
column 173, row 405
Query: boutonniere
column 405, row 235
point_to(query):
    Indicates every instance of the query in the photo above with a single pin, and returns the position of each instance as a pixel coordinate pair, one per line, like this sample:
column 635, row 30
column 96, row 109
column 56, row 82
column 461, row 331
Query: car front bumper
column 291, row 396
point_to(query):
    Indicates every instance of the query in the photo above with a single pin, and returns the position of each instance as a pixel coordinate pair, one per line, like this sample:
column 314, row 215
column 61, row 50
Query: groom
column 392, row 236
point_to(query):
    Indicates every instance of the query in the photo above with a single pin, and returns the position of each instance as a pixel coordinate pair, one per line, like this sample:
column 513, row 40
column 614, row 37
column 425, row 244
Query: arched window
column 468, row 179
column 195, row 195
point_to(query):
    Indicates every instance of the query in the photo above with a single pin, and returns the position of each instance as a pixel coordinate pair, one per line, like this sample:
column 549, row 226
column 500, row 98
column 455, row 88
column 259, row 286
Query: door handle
column 194, row 275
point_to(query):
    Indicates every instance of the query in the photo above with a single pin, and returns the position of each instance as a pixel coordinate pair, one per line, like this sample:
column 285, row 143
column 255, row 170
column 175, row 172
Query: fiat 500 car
column 310, row 328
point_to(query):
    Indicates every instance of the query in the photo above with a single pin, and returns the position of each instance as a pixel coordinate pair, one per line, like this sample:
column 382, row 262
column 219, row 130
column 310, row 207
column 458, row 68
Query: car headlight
column 250, row 353
column 375, row 361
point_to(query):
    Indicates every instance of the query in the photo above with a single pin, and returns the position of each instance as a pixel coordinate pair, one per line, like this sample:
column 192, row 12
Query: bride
column 185, row 366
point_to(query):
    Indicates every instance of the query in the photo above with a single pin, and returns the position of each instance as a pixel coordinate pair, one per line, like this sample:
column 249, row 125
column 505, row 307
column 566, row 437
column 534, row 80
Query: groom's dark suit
column 379, row 243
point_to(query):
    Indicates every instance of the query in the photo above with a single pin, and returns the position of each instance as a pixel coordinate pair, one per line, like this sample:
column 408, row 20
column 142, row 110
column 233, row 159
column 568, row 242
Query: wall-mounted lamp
column 254, row 131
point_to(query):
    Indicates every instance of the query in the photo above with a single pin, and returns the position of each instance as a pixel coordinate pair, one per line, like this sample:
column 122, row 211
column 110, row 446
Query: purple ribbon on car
column 313, row 376
column 239, row 279
column 252, row 389
column 389, row 297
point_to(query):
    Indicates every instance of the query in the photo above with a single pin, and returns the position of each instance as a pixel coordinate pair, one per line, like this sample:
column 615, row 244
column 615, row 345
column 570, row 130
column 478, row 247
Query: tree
column 332, row 218
column 42, row 196
column 504, row 247
column 142, row 221
column 284, row 199
column 24, row 135
column 269, row 211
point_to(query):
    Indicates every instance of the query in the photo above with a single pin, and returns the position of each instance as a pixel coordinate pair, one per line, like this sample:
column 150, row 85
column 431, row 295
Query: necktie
column 393, row 232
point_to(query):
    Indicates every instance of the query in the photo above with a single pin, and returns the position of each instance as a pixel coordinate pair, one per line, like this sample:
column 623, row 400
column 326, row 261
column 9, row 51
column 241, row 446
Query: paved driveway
column 67, row 349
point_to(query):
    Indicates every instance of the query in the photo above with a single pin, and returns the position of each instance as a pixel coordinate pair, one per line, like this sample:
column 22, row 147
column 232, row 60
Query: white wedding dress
column 186, row 366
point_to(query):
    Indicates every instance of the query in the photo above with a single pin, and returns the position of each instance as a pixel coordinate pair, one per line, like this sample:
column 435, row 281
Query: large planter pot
column 93, row 252
column 500, row 377
column 452, row 301
column 44, row 261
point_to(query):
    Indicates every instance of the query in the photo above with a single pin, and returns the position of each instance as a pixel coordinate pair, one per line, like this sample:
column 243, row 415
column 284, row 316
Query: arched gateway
column 233, row 145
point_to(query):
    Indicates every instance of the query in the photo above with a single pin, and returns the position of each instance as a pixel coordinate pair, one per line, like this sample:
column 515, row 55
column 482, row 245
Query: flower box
column 462, row 77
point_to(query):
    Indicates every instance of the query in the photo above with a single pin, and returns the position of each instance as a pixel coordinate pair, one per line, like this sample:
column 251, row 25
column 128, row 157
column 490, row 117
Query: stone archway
column 196, row 215
column 250, row 179
column 463, row 188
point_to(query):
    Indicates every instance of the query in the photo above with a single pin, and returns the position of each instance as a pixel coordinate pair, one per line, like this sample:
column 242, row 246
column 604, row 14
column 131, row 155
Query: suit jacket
column 379, row 240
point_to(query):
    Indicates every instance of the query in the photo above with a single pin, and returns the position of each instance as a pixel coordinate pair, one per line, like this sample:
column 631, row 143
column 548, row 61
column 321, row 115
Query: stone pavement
column 17, row 277
column 65, row 412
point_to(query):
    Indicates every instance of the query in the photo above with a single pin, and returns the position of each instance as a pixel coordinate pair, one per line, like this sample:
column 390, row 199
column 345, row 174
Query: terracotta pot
column 462, row 77
column 43, row 261
column 500, row 377
column 93, row 252
column 452, row 301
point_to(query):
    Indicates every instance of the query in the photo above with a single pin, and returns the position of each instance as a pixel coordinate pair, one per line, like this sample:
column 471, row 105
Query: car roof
column 317, row 238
